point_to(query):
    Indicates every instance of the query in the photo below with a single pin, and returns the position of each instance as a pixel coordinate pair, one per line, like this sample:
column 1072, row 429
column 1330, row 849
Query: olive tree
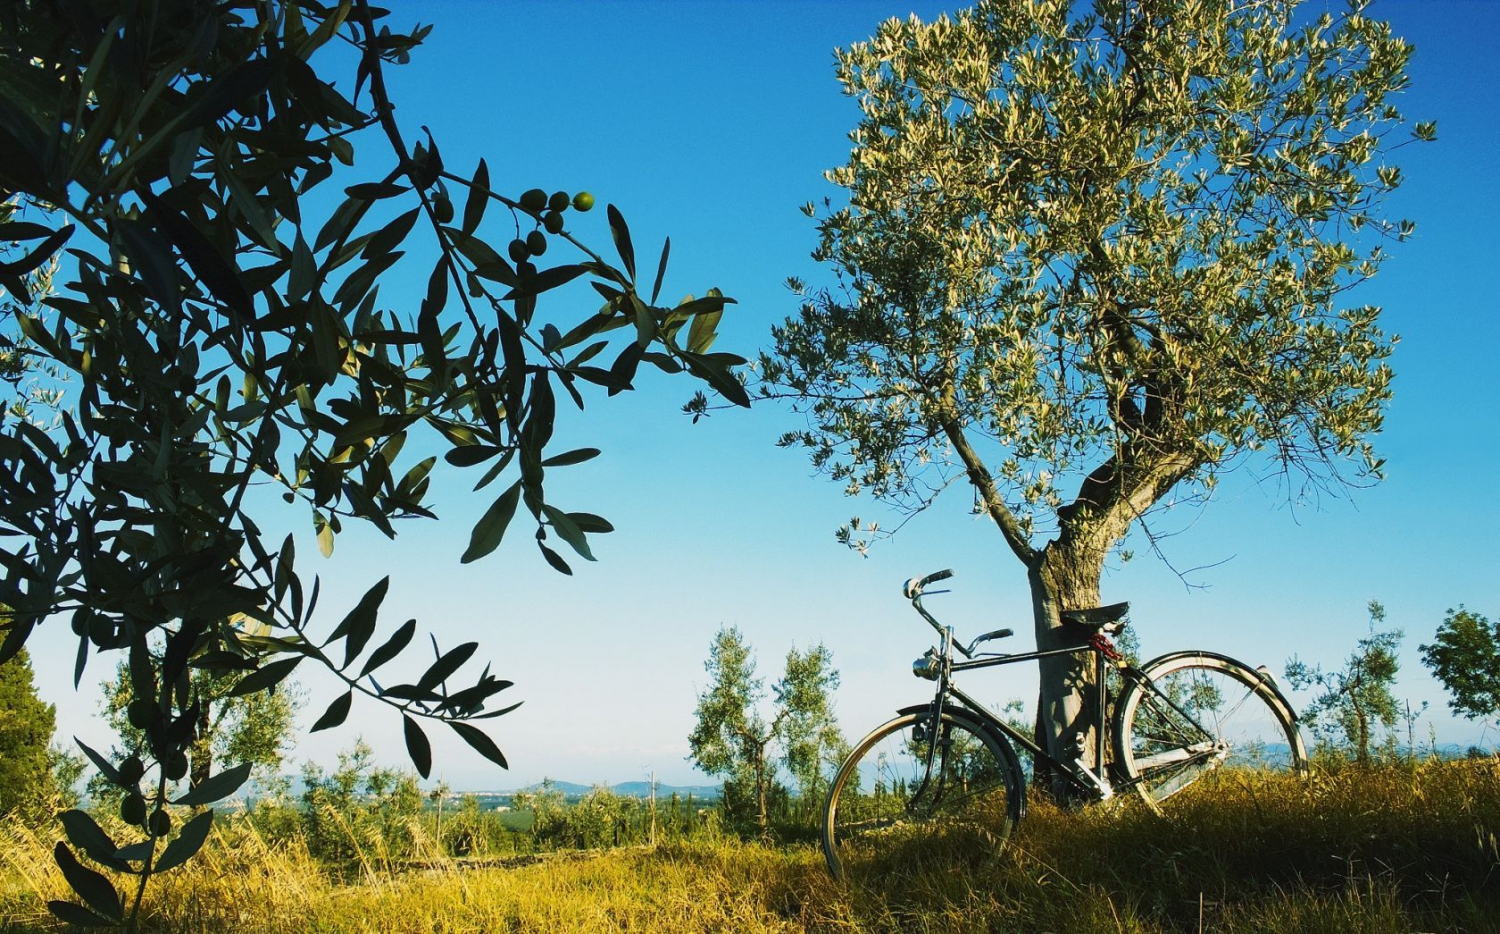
column 1096, row 254
column 223, row 328
column 736, row 739
column 1355, row 700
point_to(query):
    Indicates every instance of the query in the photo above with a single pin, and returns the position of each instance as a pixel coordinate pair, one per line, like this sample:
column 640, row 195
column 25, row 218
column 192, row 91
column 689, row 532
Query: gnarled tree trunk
column 1065, row 575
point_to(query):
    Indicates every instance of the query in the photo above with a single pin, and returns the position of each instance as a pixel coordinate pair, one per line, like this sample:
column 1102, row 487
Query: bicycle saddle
column 1099, row 617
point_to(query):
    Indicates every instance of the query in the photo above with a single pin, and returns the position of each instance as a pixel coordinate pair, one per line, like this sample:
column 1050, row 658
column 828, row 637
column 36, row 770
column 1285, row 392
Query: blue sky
column 712, row 123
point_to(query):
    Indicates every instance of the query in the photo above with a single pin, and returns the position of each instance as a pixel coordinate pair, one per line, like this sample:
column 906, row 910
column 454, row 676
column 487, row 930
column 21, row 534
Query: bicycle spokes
column 909, row 785
column 1197, row 715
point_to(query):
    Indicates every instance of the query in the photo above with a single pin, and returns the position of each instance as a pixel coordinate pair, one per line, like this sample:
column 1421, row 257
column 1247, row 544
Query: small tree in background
column 734, row 740
column 731, row 739
column 812, row 739
column 1357, row 699
column 26, row 724
column 1465, row 656
column 360, row 810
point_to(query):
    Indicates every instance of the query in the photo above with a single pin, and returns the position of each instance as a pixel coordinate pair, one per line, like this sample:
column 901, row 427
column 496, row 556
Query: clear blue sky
column 711, row 123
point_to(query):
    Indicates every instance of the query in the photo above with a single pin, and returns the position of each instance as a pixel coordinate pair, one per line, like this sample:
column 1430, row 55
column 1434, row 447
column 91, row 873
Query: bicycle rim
column 893, row 807
column 1203, row 720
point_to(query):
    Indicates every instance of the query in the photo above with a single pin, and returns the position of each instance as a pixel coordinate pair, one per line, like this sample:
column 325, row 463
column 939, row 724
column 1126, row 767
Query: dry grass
column 1392, row 849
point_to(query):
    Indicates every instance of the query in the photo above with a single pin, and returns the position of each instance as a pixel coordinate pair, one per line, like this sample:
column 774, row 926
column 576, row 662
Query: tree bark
column 760, row 788
column 1065, row 576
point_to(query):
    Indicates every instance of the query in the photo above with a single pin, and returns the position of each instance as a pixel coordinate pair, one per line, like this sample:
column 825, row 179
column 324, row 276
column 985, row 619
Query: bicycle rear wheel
column 1200, row 717
column 917, row 791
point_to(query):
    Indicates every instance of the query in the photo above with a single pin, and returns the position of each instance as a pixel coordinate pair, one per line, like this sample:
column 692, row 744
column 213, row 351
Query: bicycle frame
column 1094, row 782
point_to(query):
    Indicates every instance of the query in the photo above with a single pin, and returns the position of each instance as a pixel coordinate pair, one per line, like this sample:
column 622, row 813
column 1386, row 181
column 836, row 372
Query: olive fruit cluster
column 548, row 210
column 133, row 806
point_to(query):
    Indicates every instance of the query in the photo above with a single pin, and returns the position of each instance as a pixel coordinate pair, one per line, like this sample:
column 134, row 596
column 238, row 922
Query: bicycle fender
column 1267, row 686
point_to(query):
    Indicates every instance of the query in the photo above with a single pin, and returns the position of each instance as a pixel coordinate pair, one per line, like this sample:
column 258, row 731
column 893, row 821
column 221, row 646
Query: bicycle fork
column 938, row 744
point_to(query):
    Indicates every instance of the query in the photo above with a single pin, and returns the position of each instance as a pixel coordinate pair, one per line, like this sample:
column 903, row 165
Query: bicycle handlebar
column 913, row 591
column 913, row 588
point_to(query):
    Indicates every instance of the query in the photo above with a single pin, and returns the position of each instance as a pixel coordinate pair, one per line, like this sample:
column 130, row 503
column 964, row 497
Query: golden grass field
column 1396, row 848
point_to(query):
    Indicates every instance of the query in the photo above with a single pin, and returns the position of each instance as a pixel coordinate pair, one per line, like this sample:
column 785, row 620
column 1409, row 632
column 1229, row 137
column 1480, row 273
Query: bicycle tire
column 964, row 814
column 1198, row 715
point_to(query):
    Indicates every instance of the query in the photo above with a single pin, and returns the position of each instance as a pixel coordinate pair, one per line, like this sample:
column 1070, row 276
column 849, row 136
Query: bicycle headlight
column 928, row 666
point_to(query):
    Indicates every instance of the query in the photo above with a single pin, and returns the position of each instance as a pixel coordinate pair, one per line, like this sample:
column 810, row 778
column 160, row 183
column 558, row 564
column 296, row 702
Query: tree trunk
column 1361, row 727
column 201, row 753
column 1065, row 576
column 760, row 788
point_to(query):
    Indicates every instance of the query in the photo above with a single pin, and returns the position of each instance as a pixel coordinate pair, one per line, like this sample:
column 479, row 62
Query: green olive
column 583, row 201
column 558, row 201
column 133, row 809
column 534, row 200
column 518, row 251
column 553, row 222
column 140, row 713
column 160, row 823
column 131, row 771
column 443, row 208
column 176, row 767
column 536, row 242
column 101, row 630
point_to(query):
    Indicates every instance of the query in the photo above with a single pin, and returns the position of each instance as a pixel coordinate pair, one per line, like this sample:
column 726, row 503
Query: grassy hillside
column 1396, row 848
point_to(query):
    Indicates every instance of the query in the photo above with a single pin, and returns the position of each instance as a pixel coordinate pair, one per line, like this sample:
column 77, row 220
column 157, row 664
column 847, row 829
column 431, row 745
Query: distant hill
column 643, row 790
column 637, row 789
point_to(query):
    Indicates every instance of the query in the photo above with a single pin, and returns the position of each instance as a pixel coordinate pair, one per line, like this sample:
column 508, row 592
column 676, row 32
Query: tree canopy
column 1465, row 656
column 255, row 728
column 1093, row 253
column 26, row 724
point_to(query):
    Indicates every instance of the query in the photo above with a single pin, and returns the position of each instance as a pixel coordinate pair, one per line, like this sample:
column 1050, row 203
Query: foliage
column 26, row 724
column 1465, row 656
column 733, row 739
column 255, row 728
column 224, row 330
column 32, row 385
column 359, row 809
column 813, row 743
column 1357, row 699
column 597, row 819
column 1093, row 253
column 730, row 737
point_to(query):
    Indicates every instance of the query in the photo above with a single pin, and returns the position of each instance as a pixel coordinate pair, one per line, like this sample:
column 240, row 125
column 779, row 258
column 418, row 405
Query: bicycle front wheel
column 1197, row 717
column 920, row 790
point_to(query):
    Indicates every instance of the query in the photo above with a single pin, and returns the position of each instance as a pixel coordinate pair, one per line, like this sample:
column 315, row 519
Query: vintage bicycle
column 944, row 776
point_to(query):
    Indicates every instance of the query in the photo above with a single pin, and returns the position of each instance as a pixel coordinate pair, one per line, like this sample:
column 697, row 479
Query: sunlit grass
column 1395, row 848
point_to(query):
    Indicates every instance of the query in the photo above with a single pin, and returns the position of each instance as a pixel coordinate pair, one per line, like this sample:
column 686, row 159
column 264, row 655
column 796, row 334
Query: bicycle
column 944, row 776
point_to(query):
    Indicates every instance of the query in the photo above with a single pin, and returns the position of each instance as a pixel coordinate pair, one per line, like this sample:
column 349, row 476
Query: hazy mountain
column 636, row 789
